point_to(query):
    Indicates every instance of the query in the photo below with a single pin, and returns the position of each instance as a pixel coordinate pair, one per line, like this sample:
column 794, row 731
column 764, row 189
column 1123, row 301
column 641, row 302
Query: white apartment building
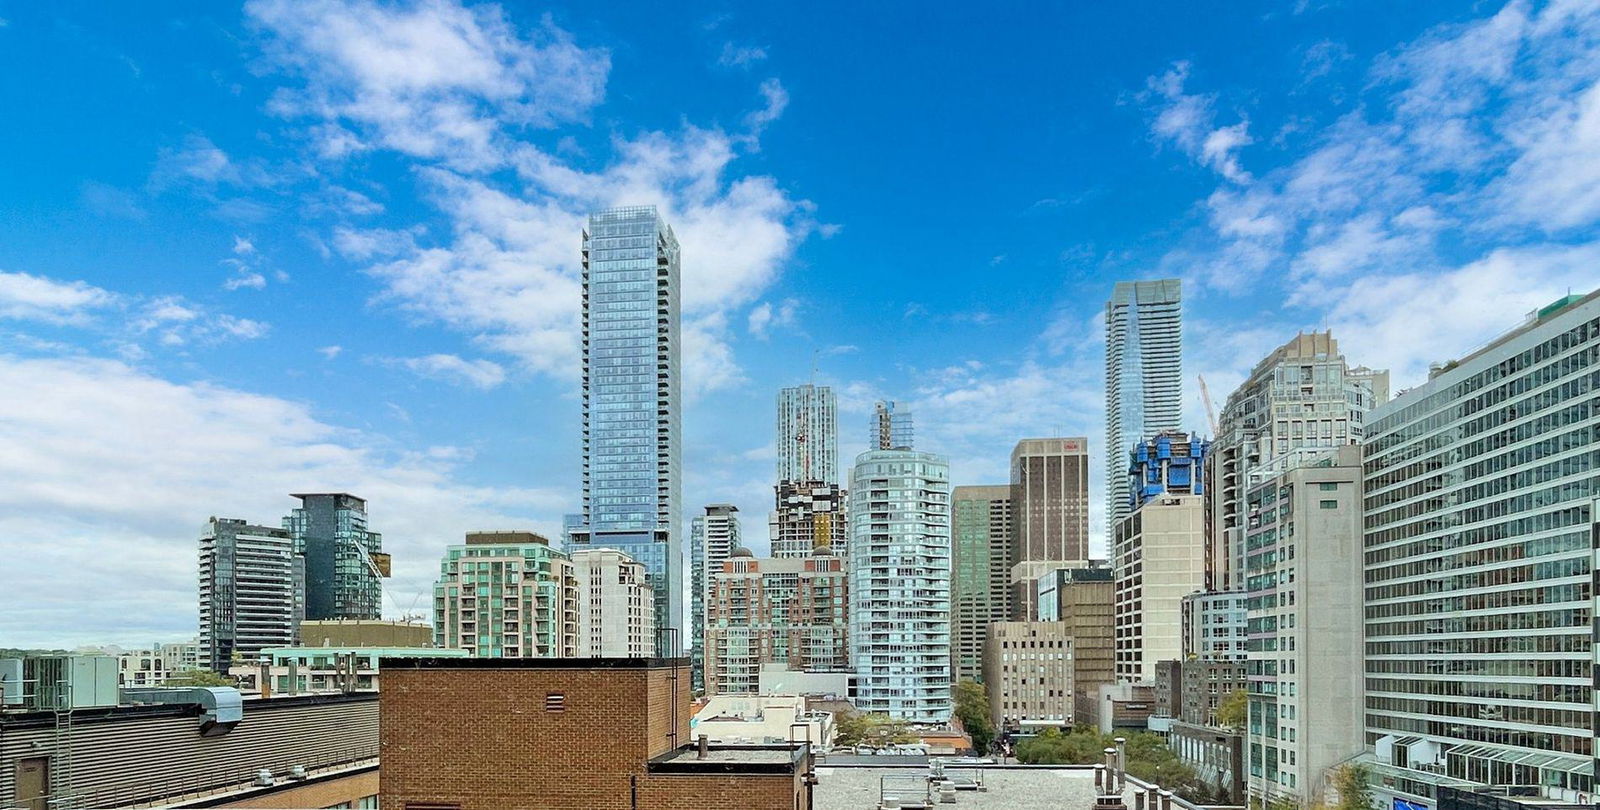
column 900, row 584
column 616, row 615
column 1159, row 557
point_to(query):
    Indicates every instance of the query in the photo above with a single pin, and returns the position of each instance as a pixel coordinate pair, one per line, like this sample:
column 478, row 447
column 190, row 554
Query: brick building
column 763, row 611
column 567, row 734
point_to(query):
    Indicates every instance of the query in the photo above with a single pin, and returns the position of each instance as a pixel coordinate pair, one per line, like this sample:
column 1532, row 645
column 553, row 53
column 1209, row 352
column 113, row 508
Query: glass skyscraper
column 808, row 434
column 343, row 560
column 1144, row 376
column 632, row 418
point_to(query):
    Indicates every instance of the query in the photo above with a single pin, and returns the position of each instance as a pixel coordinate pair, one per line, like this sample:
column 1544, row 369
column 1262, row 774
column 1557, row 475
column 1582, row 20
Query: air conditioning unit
column 297, row 773
column 264, row 778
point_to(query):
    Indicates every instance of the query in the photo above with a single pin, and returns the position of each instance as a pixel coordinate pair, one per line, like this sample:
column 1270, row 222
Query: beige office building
column 1159, row 557
column 1028, row 669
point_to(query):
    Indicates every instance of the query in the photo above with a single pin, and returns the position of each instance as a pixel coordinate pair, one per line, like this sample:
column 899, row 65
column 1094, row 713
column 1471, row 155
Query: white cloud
column 481, row 374
column 246, row 278
column 742, row 56
column 95, row 450
column 330, row 352
column 28, row 297
column 456, row 89
column 243, row 246
column 429, row 79
column 765, row 317
column 1188, row 122
column 110, row 201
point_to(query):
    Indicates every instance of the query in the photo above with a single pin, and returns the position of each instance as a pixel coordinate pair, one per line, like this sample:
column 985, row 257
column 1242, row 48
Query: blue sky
column 283, row 247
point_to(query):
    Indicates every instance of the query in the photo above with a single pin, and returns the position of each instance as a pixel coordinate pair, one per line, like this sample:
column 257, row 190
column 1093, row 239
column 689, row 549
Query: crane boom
column 1211, row 412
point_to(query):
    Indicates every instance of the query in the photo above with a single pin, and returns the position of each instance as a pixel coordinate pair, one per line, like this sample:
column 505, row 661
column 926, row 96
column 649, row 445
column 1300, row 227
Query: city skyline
column 285, row 293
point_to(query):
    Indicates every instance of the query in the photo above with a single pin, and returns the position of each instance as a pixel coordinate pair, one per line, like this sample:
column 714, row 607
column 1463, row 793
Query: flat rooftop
column 1006, row 788
column 730, row 759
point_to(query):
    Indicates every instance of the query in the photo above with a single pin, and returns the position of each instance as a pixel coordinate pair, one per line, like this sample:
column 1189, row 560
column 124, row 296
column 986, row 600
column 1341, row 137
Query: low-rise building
column 1028, row 670
column 307, row 670
column 365, row 633
column 1215, row 754
column 1205, row 684
column 605, row 733
column 191, row 747
column 763, row 720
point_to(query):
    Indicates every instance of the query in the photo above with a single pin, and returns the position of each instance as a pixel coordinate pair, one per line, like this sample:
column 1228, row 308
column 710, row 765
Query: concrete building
column 764, row 719
column 808, row 434
column 1479, row 556
column 344, row 561
column 185, row 747
column 1028, row 671
column 632, row 403
column 1084, row 599
column 900, row 584
column 1205, row 684
column 712, row 538
column 1215, row 754
column 763, row 611
column 821, row 685
column 890, row 428
column 1121, row 705
column 1160, row 558
column 1302, row 398
column 1144, row 376
column 506, row 594
column 809, row 514
column 616, row 607
column 1214, row 625
column 1303, row 567
column 1050, row 515
column 252, row 587
column 365, row 633
column 980, row 569
column 319, row 670
column 611, row 733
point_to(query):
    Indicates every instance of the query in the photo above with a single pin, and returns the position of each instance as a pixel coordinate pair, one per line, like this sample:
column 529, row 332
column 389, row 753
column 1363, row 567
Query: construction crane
column 1211, row 412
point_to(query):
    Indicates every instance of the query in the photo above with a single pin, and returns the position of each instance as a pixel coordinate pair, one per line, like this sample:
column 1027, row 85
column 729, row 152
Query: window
column 555, row 701
column 1329, row 504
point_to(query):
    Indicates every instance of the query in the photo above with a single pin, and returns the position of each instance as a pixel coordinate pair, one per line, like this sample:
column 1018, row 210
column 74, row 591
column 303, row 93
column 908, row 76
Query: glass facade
column 1480, row 544
column 330, row 529
column 632, row 477
column 506, row 600
column 808, row 434
column 900, row 584
column 981, row 564
column 1144, row 385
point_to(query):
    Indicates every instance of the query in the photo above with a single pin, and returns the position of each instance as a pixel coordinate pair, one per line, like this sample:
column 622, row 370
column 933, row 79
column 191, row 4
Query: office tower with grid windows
column 900, row 584
column 1050, row 515
column 632, row 403
column 980, row 565
column 1480, row 543
column 1144, row 376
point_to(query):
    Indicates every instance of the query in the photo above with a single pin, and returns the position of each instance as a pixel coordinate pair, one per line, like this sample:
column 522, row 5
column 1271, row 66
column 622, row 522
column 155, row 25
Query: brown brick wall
column 481, row 738
column 321, row 794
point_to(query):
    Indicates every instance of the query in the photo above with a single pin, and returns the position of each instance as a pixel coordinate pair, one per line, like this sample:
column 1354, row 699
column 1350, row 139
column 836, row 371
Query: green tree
column 199, row 677
column 1234, row 710
column 1149, row 758
column 972, row 709
column 1354, row 783
column 858, row 728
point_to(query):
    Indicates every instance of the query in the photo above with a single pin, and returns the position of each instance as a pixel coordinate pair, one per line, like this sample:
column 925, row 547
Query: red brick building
column 566, row 734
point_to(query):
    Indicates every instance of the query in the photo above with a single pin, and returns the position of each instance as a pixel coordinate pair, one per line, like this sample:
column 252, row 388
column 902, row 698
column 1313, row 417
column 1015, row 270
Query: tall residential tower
column 1144, row 375
column 808, row 434
column 251, row 592
column 343, row 559
column 712, row 538
column 632, row 404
